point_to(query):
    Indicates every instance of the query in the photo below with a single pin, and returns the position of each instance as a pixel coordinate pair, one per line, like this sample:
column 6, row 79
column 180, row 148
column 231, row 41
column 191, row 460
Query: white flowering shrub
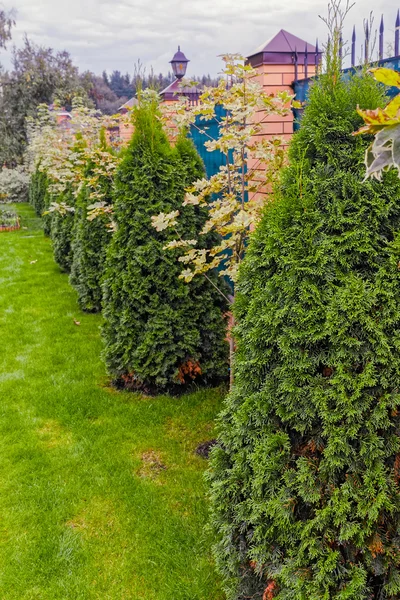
column 13, row 185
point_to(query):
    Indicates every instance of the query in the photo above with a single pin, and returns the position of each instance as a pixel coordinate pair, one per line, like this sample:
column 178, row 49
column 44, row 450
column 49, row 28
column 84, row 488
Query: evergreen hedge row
column 37, row 191
column 159, row 332
column 61, row 231
column 89, row 244
column 305, row 479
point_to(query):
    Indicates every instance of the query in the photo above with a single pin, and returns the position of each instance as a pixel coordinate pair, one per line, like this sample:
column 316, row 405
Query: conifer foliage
column 91, row 237
column 159, row 331
column 37, row 191
column 62, row 209
column 61, row 229
column 305, row 480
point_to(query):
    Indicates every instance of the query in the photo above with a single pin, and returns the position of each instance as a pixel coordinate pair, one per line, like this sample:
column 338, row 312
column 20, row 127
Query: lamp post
column 179, row 64
column 175, row 89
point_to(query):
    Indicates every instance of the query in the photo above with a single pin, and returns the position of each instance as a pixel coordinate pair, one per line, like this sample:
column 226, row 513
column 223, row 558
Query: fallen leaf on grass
column 32, row 262
column 77, row 322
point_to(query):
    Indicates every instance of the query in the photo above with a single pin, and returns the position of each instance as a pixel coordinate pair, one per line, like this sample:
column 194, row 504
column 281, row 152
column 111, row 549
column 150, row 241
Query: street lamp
column 179, row 64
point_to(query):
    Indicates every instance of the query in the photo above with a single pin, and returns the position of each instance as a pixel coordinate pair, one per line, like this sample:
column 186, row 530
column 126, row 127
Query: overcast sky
column 114, row 34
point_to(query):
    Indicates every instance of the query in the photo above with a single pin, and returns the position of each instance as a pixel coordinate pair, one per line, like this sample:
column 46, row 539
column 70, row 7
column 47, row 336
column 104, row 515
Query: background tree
column 231, row 197
column 39, row 75
column 121, row 85
column 7, row 22
column 305, row 479
column 159, row 332
column 103, row 98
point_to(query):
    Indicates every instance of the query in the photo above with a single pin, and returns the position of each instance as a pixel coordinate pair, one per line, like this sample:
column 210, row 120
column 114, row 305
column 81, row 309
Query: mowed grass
column 101, row 493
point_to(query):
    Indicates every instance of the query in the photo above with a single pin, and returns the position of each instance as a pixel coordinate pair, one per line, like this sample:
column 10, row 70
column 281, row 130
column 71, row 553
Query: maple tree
column 384, row 123
column 60, row 154
column 233, row 195
column 63, row 153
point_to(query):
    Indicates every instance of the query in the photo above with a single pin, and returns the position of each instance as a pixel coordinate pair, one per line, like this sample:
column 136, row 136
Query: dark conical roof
column 281, row 48
column 284, row 41
column 175, row 89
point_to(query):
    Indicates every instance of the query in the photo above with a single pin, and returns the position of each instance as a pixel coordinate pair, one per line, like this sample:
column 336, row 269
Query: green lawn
column 101, row 494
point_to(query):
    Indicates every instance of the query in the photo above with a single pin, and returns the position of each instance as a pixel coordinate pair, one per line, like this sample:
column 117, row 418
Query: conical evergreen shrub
column 61, row 222
column 90, row 241
column 46, row 216
column 305, row 480
column 159, row 332
column 61, row 230
column 37, row 191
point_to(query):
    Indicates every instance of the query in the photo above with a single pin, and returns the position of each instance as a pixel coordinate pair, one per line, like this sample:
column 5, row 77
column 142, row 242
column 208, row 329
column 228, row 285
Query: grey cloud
column 114, row 34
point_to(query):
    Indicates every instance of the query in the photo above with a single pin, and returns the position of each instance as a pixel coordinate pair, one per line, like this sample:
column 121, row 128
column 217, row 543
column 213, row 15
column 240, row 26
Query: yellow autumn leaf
column 296, row 104
column 374, row 116
column 163, row 221
column 387, row 76
column 379, row 118
column 187, row 275
column 393, row 108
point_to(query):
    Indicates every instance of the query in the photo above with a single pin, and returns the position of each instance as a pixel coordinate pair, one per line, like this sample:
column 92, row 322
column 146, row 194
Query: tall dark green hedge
column 37, row 191
column 305, row 480
column 61, row 230
column 61, row 222
column 89, row 244
column 159, row 331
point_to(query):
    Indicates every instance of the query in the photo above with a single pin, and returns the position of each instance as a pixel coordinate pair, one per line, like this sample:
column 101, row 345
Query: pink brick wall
column 275, row 78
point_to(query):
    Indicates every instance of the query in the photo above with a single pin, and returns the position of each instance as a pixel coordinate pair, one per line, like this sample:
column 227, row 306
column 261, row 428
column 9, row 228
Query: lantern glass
column 179, row 64
column 179, row 69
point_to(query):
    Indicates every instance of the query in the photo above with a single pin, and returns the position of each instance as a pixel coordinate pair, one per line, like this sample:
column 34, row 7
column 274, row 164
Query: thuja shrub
column 89, row 244
column 305, row 479
column 46, row 216
column 61, row 229
column 160, row 333
column 37, row 191
column 61, row 206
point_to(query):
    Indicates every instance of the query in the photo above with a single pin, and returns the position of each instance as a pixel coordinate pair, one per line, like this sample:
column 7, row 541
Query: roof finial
column 353, row 47
column 381, row 31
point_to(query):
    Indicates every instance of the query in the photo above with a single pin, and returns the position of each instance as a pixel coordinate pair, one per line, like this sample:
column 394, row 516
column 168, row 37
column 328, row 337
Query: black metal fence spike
column 353, row 47
column 316, row 55
column 381, row 32
column 396, row 34
column 296, row 65
column 341, row 48
column 306, row 62
column 366, row 48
